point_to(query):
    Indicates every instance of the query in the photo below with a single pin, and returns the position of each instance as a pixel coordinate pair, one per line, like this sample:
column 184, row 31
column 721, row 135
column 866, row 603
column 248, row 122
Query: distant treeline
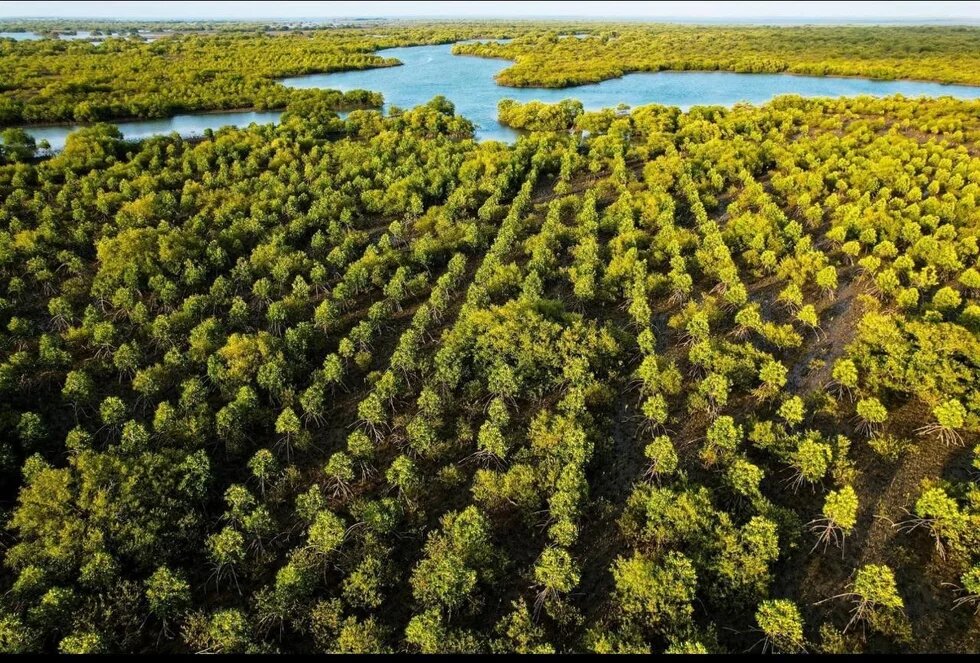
column 548, row 59
column 54, row 81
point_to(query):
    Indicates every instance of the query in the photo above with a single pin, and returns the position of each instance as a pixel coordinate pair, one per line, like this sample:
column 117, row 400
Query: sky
column 691, row 11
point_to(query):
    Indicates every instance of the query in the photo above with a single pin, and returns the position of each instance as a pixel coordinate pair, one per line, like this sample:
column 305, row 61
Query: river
column 188, row 126
column 468, row 82
column 80, row 35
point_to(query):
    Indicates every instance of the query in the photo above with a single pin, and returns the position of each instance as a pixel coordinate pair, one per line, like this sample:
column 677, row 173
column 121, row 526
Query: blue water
column 186, row 125
column 81, row 35
column 21, row 36
column 468, row 82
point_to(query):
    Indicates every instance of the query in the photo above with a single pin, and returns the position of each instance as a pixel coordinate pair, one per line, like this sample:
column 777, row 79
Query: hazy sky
column 276, row 9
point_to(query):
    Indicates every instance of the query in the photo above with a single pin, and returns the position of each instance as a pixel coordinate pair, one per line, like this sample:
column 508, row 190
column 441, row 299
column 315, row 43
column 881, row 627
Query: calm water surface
column 81, row 35
column 187, row 126
column 21, row 36
column 468, row 82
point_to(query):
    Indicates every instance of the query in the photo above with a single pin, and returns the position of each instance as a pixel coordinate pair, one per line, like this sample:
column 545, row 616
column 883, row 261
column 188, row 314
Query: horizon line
column 586, row 18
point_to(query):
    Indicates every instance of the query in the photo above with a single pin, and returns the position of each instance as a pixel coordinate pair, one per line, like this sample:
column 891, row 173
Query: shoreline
column 681, row 71
column 248, row 109
column 706, row 71
column 69, row 123
column 721, row 71
column 116, row 121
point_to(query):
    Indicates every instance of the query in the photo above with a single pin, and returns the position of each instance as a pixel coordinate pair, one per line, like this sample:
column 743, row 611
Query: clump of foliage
column 340, row 385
